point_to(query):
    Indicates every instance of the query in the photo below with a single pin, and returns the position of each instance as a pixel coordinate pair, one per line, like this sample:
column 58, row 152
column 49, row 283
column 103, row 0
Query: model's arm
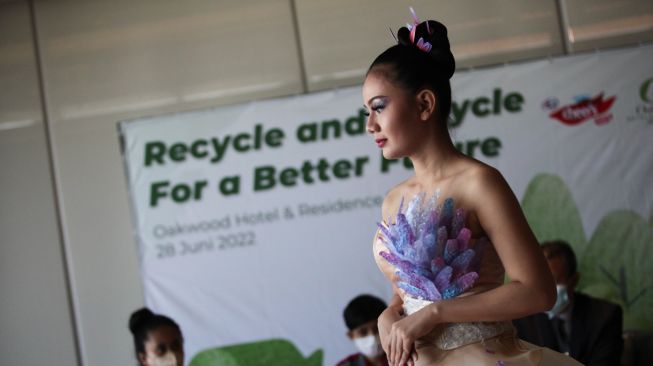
column 531, row 288
column 389, row 316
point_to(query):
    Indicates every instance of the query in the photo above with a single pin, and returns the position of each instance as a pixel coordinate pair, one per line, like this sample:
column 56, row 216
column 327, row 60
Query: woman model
column 443, row 312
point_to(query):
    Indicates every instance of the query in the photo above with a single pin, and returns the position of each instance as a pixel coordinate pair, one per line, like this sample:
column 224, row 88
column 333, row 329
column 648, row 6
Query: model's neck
column 433, row 157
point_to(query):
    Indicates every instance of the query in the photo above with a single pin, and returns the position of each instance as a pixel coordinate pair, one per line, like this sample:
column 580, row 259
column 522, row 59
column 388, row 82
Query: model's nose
column 371, row 124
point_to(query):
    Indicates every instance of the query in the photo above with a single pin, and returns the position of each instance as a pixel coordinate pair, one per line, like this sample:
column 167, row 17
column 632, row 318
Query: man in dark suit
column 586, row 328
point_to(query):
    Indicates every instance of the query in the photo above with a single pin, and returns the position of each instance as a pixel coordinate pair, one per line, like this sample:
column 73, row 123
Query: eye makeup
column 378, row 103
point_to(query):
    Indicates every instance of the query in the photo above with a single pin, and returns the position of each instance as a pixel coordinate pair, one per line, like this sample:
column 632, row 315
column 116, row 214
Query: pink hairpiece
column 424, row 46
column 415, row 18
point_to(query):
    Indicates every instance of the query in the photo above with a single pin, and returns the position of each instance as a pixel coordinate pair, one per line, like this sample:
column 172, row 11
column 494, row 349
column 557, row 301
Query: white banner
column 255, row 221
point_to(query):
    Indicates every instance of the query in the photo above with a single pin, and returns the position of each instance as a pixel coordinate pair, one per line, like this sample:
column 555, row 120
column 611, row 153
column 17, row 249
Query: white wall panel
column 106, row 61
column 35, row 316
column 341, row 38
column 608, row 23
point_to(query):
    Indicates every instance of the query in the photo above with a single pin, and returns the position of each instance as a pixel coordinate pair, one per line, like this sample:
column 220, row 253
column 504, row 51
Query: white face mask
column 168, row 359
column 562, row 300
column 369, row 345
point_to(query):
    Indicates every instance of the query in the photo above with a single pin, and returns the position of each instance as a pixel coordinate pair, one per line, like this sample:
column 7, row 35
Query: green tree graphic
column 272, row 352
column 615, row 264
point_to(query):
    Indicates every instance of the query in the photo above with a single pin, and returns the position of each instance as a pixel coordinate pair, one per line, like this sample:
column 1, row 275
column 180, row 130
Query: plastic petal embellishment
column 424, row 46
column 430, row 249
column 412, row 12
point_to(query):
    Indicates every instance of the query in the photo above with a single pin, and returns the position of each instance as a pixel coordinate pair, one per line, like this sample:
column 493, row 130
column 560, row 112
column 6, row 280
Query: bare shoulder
column 478, row 177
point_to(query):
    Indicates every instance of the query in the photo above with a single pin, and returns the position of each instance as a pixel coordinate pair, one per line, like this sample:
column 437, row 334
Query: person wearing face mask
column 583, row 327
column 158, row 340
column 361, row 316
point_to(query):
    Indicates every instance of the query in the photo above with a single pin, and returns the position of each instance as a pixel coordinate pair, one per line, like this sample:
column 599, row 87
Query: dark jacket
column 596, row 331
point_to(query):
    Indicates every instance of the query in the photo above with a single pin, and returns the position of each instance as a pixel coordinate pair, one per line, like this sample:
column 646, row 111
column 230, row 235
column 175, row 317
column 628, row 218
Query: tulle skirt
column 480, row 343
column 501, row 350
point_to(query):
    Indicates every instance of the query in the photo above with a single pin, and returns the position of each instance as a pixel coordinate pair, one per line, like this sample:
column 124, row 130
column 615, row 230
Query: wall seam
column 300, row 50
column 563, row 21
column 71, row 295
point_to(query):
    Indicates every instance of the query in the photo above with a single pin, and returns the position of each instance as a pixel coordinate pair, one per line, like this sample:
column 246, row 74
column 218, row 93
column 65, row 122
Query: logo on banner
column 644, row 108
column 585, row 108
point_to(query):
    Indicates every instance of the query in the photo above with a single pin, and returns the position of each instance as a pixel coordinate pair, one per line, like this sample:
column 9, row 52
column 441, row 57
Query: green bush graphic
column 615, row 264
column 272, row 352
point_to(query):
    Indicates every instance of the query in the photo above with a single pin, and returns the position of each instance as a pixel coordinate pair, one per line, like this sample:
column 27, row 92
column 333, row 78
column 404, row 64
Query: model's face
column 393, row 116
column 161, row 342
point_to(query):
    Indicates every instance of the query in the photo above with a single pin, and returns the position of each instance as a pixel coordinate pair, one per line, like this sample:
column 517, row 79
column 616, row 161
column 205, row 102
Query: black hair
column 363, row 309
column 415, row 69
column 142, row 321
column 560, row 248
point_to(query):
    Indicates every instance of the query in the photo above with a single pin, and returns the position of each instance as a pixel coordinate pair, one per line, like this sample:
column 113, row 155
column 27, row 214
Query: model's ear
column 428, row 104
column 349, row 335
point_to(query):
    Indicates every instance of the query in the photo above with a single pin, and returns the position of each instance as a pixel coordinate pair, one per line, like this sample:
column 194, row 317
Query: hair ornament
column 424, row 46
column 421, row 44
column 393, row 34
column 415, row 18
column 429, row 38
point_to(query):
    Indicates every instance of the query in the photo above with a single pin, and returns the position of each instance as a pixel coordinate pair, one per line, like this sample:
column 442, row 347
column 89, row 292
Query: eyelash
column 376, row 109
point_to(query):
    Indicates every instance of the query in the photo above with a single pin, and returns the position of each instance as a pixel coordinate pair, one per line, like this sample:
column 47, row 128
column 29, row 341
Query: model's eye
column 378, row 105
column 366, row 113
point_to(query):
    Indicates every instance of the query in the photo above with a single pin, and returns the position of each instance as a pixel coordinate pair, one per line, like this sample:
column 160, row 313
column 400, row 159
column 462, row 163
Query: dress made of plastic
column 433, row 257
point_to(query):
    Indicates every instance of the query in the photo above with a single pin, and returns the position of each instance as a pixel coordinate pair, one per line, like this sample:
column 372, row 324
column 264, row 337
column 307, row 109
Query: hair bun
column 138, row 318
column 435, row 33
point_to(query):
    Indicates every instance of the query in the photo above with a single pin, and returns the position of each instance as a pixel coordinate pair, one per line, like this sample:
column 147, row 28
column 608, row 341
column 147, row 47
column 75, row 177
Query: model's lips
column 381, row 142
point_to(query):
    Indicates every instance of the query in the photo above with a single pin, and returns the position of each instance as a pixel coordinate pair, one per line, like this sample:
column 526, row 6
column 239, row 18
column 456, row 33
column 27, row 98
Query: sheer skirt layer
column 479, row 343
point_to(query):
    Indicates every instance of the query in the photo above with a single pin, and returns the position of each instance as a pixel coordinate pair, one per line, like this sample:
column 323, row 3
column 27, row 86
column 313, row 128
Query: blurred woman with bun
column 157, row 339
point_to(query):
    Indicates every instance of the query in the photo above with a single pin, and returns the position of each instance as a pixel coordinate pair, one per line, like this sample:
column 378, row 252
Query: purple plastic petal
column 405, row 232
column 442, row 240
column 443, row 278
column 437, row 264
column 400, row 264
column 461, row 263
column 424, row 284
column 463, row 239
column 447, row 213
column 450, row 250
column 458, row 222
column 466, row 281
column 412, row 290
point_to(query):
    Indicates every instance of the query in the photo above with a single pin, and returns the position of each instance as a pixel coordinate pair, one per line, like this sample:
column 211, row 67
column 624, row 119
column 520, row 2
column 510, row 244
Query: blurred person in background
column 583, row 327
column 361, row 315
column 158, row 340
